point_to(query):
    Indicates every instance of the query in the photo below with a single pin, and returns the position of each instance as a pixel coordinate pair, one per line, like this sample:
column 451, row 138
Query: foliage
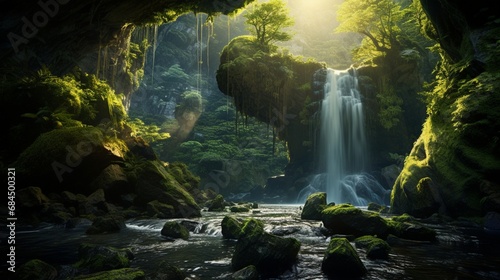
column 267, row 22
column 151, row 133
column 390, row 106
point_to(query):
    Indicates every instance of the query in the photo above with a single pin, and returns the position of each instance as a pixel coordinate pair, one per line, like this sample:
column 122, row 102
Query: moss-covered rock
column 376, row 248
column 231, row 227
column 239, row 209
column 412, row 231
column 270, row 254
column 116, row 274
column 160, row 210
column 36, row 270
column 172, row 229
column 106, row 224
column 95, row 258
column 248, row 273
column 341, row 260
column 217, row 204
column 168, row 271
column 68, row 159
column 153, row 182
column 452, row 166
column 347, row 219
column 315, row 204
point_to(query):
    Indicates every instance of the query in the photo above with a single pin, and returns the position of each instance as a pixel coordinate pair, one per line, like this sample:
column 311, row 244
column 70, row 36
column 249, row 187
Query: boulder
column 152, row 182
column 175, row 230
column 270, row 254
column 116, row 274
column 347, row 219
column 217, row 204
column 95, row 258
column 113, row 181
column 106, row 224
column 160, row 210
column 248, row 273
column 341, row 260
column 168, row 271
column 376, row 248
column 315, row 204
column 231, row 227
column 411, row 231
column 31, row 197
column 239, row 209
column 492, row 221
column 36, row 269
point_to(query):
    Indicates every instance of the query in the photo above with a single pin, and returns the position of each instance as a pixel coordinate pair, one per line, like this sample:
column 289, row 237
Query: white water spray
column 343, row 148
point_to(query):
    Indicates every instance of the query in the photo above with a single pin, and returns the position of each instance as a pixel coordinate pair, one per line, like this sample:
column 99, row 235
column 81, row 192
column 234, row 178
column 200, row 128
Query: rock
column 113, row 181
column 106, row 224
column 248, row 273
column 153, row 182
column 31, row 197
column 341, row 260
column 347, row 219
column 282, row 231
column 175, row 230
column 116, row 274
column 411, row 231
column 239, row 209
column 372, row 206
column 231, row 227
column 160, row 210
column 36, row 269
column 270, row 254
column 315, row 203
column 168, row 272
column 376, row 248
column 492, row 221
column 67, row 159
column 194, row 226
column 95, row 258
column 217, row 204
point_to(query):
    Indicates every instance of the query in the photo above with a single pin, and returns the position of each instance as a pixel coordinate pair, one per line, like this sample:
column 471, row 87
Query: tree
column 267, row 21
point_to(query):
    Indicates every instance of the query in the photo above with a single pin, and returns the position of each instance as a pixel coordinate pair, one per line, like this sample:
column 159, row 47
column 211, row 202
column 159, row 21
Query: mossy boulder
column 106, row 224
column 412, row 231
column 95, row 258
column 341, row 260
column 36, row 270
column 160, row 210
column 217, row 204
column 347, row 219
column 270, row 254
column 231, row 227
column 174, row 230
column 376, row 248
column 152, row 182
column 315, row 204
column 168, row 271
column 116, row 274
column 68, row 159
column 248, row 273
column 239, row 209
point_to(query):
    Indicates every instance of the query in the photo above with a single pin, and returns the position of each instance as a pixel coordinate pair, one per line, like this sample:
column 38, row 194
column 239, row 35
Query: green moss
column 231, row 227
column 117, row 274
column 36, row 269
column 375, row 247
column 175, row 230
column 100, row 258
column 341, row 259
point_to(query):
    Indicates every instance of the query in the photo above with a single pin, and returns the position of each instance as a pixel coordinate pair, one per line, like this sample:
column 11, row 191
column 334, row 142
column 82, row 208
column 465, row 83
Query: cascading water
column 342, row 148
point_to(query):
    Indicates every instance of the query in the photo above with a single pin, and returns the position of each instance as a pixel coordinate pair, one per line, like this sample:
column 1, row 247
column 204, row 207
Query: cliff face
column 453, row 166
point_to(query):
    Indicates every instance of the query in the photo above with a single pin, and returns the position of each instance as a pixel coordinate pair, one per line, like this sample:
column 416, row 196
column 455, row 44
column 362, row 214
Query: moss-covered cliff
column 275, row 88
column 453, row 166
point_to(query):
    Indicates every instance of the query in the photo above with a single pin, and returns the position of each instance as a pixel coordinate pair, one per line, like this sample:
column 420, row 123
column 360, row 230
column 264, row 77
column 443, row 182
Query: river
column 461, row 252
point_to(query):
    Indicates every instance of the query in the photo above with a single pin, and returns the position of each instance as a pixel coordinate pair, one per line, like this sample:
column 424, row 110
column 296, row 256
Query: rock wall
column 453, row 165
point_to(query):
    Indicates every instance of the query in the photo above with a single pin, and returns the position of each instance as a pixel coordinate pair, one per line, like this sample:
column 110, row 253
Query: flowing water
column 460, row 253
column 343, row 147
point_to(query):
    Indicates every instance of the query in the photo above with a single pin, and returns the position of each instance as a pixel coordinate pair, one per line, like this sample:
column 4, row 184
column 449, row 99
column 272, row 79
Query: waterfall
column 343, row 149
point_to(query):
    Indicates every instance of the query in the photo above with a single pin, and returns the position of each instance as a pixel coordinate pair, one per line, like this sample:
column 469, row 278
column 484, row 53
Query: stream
column 460, row 253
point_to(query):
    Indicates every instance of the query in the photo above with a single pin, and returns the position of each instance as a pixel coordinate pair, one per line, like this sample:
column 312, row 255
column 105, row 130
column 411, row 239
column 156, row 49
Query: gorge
column 121, row 117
